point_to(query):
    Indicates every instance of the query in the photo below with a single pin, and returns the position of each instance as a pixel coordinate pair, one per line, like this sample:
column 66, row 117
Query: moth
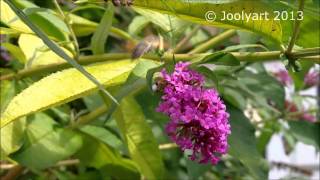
column 122, row 2
column 148, row 44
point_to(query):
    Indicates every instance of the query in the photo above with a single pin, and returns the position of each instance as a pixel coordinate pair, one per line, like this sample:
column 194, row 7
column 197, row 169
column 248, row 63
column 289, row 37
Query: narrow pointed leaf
column 100, row 36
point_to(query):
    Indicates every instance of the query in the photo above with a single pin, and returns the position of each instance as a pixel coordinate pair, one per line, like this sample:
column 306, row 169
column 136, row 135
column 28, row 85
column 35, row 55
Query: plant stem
column 84, row 60
column 85, row 119
column 13, row 173
column 296, row 29
column 214, row 41
column 72, row 34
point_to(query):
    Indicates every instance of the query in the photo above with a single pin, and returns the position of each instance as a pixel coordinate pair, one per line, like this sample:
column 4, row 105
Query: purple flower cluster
column 198, row 117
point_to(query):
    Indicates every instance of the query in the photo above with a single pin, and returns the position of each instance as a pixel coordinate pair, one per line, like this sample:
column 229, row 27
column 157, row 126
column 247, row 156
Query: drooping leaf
column 243, row 144
column 196, row 170
column 100, row 36
column 266, row 89
column 55, row 48
column 46, row 20
column 101, row 156
column 15, row 51
column 84, row 27
column 306, row 132
column 140, row 141
column 62, row 87
column 103, row 135
column 46, row 139
column 221, row 58
column 169, row 24
column 8, row 91
column 196, row 11
column 298, row 77
column 9, row 31
column 36, row 52
column 234, row 97
column 135, row 81
column 137, row 24
column 12, row 135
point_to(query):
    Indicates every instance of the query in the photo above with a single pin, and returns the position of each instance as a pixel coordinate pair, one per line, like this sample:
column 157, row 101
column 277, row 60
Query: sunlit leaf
column 62, row 87
column 195, row 11
column 48, row 22
column 169, row 24
column 15, row 51
column 36, row 52
column 141, row 143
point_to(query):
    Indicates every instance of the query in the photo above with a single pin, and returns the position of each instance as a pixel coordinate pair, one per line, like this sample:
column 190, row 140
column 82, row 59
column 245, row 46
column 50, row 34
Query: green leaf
column 100, row 36
column 84, row 27
column 195, row 11
column 12, row 135
column 196, row 170
column 298, row 77
column 135, row 81
column 46, row 21
column 15, row 51
column 48, row 92
column 103, row 135
column 176, row 26
column 306, row 132
column 140, row 141
column 55, row 48
column 8, row 91
column 137, row 24
column 46, row 143
column 9, row 31
column 243, row 144
column 265, row 88
column 37, row 53
column 234, row 97
column 221, row 58
column 101, row 156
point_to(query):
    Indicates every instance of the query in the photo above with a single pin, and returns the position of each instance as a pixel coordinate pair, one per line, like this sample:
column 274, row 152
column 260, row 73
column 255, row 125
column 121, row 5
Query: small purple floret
column 198, row 117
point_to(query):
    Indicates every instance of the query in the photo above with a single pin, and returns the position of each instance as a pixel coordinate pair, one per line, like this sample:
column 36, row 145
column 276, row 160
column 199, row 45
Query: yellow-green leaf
column 15, row 51
column 140, row 141
column 47, row 21
column 12, row 137
column 196, row 11
column 36, row 52
column 64, row 86
column 7, row 17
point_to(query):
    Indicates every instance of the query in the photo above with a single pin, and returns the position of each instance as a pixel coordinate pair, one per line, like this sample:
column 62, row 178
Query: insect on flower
column 122, row 2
